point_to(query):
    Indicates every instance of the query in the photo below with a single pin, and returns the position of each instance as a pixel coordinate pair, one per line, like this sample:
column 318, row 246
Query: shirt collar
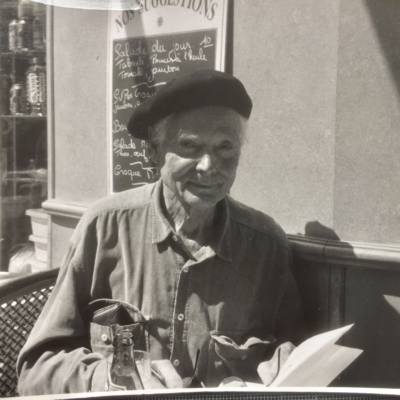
column 161, row 228
column 160, row 225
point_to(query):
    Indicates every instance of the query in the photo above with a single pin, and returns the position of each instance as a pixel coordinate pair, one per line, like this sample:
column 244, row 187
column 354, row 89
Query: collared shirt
column 232, row 303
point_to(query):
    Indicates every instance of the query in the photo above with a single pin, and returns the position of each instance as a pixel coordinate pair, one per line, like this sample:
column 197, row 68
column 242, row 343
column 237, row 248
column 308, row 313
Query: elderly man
column 206, row 280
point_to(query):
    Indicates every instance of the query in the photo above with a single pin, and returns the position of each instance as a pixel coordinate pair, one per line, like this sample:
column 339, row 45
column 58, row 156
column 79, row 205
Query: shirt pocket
column 101, row 336
column 236, row 353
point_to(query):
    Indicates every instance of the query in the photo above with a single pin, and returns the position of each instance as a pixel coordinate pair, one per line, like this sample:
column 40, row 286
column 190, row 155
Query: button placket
column 172, row 334
column 179, row 350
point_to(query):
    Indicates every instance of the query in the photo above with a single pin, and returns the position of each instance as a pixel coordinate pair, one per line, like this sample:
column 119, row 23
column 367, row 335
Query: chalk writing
column 206, row 42
column 119, row 145
column 118, row 127
column 165, row 70
column 122, row 106
column 151, row 171
column 118, row 170
column 172, row 58
column 189, row 55
column 128, row 50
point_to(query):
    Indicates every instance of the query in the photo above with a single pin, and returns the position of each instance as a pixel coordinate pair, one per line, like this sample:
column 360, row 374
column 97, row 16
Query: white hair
column 158, row 131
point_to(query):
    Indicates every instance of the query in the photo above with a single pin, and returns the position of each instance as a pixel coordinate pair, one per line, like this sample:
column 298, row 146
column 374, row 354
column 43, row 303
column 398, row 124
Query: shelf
column 25, row 180
column 24, row 117
column 24, row 54
column 36, row 175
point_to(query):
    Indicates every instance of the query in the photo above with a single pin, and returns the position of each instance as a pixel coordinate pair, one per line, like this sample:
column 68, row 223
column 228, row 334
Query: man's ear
column 154, row 146
column 154, row 152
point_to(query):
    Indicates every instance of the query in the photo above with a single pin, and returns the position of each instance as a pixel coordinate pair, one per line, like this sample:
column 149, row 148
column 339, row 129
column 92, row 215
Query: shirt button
column 176, row 363
column 244, row 357
column 104, row 337
column 174, row 238
column 185, row 269
column 181, row 317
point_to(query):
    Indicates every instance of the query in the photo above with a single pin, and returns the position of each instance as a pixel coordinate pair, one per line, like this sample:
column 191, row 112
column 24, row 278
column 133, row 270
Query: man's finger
column 167, row 372
column 153, row 383
column 268, row 370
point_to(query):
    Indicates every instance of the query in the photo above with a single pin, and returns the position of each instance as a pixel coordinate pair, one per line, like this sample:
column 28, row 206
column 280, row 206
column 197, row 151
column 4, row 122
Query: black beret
column 198, row 89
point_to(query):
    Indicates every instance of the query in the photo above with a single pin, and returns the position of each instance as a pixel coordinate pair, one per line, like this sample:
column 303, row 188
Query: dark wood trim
column 347, row 254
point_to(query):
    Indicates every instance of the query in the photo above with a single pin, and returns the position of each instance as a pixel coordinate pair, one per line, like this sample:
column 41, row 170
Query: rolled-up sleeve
column 57, row 357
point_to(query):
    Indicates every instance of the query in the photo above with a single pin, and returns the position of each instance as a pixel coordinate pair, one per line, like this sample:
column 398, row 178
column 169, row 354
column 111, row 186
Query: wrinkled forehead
column 209, row 118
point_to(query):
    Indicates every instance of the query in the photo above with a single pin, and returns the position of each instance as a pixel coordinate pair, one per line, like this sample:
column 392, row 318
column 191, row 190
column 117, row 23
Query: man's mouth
column 204, row 186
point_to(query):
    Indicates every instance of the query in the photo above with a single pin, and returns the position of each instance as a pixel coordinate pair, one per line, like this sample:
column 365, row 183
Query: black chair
column 21, row 301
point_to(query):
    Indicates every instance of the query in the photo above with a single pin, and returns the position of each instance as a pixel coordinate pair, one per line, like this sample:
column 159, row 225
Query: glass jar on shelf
column 13, row 35
column 25, row 9
column 25, row 25
column 18, row 103
column 39, row 26
column 36, row 87
column 25, row 35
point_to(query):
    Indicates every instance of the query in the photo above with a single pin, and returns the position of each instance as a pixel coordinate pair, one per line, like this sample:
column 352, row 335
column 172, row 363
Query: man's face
column 199, row 154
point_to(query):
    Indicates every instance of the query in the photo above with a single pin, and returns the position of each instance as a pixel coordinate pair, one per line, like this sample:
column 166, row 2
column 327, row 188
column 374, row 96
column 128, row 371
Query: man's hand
column 163, row 376
column 269, row 370
column 233, row 381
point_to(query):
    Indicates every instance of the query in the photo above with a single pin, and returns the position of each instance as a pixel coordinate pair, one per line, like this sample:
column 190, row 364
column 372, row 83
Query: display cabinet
column 23, row 128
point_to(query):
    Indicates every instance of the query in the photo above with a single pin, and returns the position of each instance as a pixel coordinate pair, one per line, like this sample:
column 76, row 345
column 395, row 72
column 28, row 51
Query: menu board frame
column 155, row 19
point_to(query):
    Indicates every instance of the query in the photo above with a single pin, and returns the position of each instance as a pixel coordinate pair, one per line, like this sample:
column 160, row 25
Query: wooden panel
column 354, row 283
column 372, row 303
column 335, row 297
column 312, row 278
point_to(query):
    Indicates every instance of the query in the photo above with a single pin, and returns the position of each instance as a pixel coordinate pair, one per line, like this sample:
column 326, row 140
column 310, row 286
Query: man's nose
column 207, row 165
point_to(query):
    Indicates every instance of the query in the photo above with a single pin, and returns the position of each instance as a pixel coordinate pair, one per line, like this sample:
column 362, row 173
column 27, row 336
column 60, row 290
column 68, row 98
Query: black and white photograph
column 200, row 197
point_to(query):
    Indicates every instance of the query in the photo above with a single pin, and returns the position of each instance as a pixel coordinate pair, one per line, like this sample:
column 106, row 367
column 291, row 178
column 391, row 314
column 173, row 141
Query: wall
column 367, row 162
column 80, row 54
column 324, row 136
column 79, row 153
column 285, row 52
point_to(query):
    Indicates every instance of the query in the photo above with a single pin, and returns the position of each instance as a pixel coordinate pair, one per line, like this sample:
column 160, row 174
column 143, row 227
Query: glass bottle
column 39, row 34
column 39, row 26
column 36, row 86
column 13, row 35
column 124, row 374
column 25, row 9
column 17, row 99
column 25, row 27
column 25, row 35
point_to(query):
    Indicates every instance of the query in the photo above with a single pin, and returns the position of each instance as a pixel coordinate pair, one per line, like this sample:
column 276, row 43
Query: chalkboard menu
column 140, row 67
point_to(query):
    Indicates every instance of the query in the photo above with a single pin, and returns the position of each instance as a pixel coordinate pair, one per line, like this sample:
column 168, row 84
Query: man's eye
column 187, row 145
column 227, row 150
column 226, row 146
